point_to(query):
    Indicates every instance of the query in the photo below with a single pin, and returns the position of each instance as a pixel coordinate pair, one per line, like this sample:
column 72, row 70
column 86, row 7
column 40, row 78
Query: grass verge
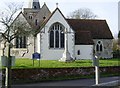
column 28, row 63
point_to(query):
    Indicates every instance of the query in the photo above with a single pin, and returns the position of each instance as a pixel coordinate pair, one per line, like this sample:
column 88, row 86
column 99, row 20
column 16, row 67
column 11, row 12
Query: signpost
column 4, row 61
column 96, row 64
column 36, row 56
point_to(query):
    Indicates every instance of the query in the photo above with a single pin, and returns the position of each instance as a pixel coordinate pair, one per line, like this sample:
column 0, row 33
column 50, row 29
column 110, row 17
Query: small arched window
column 99, row 46
column 78, row 52
column 30, row 17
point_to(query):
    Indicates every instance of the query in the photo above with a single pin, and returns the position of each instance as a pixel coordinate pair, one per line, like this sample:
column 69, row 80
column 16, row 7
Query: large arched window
column 99, row 46
column 56, row 36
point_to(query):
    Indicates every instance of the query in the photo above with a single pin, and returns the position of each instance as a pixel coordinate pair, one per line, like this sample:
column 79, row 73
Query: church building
column 60, row 38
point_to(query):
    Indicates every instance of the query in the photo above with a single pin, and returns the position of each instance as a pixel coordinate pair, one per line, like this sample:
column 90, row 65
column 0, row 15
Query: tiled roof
column 83, row 38
column 98, row 28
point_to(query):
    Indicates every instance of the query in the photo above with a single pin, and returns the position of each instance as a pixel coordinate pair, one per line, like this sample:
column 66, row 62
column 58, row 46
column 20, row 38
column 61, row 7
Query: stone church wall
column 107, row 48
column 24, row 52
column 55, row 53
column 86, row 51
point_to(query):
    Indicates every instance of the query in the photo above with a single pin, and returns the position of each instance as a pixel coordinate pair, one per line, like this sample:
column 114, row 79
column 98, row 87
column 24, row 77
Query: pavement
column 72, row 83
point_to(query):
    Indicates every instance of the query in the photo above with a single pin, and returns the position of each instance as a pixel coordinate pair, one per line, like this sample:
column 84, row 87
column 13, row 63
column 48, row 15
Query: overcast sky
column 104, row 9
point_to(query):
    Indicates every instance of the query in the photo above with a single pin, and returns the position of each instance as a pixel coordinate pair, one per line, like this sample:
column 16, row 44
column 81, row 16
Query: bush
column 116, row 54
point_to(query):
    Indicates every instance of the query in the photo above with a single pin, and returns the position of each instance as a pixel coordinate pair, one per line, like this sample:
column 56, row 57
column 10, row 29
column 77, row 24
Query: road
column 70, row 83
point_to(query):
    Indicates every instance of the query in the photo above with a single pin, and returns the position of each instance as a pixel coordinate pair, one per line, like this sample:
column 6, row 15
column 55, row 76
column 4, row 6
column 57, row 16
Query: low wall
column 45, row 73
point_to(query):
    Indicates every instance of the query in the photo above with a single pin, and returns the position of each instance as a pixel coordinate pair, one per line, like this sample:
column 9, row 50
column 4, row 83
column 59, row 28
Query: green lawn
column 28, row 63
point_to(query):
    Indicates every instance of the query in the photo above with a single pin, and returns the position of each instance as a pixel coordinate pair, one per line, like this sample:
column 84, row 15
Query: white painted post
column 96, row 64
column 97, row 75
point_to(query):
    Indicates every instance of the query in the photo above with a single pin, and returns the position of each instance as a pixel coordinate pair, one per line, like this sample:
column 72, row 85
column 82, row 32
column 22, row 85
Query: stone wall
column 37, row 74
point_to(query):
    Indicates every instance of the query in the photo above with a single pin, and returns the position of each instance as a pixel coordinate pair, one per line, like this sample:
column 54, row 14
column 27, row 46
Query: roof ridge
column 88, row 19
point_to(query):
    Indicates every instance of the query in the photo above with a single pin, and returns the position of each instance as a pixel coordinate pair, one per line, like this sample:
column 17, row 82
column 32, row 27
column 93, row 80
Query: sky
column 104, row 9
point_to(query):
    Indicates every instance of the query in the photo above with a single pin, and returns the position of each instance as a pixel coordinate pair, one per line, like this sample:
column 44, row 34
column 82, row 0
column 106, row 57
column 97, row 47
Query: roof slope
column 98, row 28
column 49, row 17
column 83, row 38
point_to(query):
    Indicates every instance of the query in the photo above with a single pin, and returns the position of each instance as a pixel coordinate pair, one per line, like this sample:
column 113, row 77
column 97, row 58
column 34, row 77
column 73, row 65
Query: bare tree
column 83, row 13
column 11, row 30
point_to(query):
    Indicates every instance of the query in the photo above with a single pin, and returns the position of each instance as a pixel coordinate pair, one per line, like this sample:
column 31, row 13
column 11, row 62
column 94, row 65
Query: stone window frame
column 59, row 42
column 21, row 42
column 99, row 46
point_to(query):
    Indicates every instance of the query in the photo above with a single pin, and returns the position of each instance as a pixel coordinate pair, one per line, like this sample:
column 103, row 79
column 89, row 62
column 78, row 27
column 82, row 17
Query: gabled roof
column 16, row 19
column 98, row 28
column 47, row 19
column 44, row 7
column 18, row 16
column 43, row 11
column 83, row 38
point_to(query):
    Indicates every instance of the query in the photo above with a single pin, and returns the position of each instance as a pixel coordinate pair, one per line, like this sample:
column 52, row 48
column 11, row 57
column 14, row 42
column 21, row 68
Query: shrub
column 116, row 54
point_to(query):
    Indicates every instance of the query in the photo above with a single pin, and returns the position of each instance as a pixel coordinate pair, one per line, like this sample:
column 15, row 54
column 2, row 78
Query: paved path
column 80, row 82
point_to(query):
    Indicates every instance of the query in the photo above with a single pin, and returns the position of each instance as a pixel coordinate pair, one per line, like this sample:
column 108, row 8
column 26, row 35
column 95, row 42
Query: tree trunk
column 8, row 69
column 35, row 40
